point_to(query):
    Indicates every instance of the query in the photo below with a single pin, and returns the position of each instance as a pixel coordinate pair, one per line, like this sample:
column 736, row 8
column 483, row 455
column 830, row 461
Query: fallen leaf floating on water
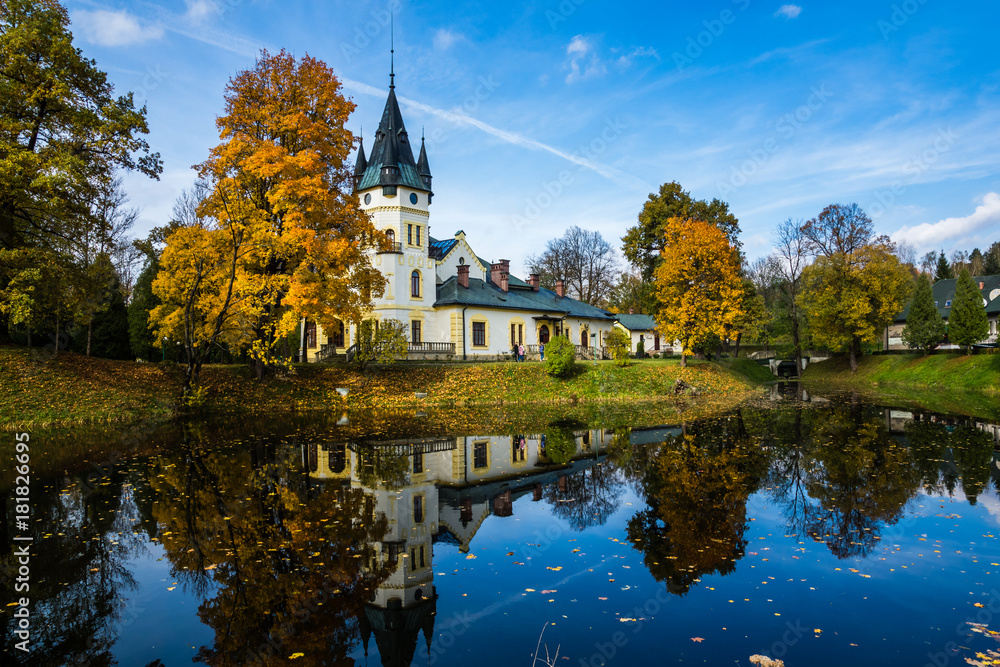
column 698, row 639
column 296, row 655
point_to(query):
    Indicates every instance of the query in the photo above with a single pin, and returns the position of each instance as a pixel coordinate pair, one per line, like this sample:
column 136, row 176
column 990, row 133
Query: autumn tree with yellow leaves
column 698, row 285
column 282, row 236
column 856, row 285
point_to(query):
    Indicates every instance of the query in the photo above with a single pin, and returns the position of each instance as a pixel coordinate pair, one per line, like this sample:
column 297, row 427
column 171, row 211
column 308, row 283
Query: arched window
column 583, row 338
column 415, row 283
column 543, row 334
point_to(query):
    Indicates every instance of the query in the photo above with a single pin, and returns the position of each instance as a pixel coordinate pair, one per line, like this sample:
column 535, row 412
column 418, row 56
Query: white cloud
column 638, row 52
column 199, row 10
column 583, row 60
column 788, row 11
column 934, row 234
column 444, row 39
column 107, row 28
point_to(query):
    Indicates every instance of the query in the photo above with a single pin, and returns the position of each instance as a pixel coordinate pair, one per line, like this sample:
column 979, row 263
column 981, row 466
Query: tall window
column 479, row 458
column 415, row 283
column 409, row 234
column 479, row 334
column 418, row 234
column 418, row 509
column 418, row 463
column 415, row 331
column 338, row 458
column 516, row 334
column 310, row 334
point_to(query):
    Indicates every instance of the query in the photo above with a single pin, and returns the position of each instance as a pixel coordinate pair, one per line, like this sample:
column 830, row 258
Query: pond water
column 821, row 534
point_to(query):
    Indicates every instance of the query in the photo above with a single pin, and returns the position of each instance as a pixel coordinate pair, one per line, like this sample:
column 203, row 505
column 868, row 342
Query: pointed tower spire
column 361, row 163
column 423, row 167
column 392, row 51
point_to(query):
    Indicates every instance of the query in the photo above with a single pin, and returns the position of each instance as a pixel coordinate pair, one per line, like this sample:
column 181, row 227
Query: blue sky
column 543, row 115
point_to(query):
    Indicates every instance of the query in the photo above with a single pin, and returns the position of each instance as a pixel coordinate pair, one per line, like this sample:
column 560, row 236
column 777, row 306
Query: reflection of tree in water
column 973, row 451
column 928, row 441
column 860, row 479
column 80, row 581
column 285, row 555
column 588, row 497
column 697, row 485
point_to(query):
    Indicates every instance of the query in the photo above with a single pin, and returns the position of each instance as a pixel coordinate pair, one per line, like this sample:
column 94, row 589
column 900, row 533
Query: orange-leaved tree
column 279, row 185
column 698, row 284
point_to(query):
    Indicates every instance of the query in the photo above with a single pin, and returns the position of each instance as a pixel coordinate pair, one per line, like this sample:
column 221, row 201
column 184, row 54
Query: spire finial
column 392, row 51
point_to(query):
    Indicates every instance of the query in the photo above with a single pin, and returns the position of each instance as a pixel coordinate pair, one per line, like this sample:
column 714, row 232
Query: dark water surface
column 821, row 534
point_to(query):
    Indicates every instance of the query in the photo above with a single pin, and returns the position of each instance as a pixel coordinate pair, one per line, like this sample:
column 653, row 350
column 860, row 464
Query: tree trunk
column 855, row 345
column 57, row 335
column 684, row 362
column 90, row 328
column 736, row 354
column 797, row 345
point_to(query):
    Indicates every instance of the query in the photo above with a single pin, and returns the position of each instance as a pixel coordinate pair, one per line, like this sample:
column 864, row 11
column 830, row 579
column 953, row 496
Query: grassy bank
column 944, row 383
column 37, row 389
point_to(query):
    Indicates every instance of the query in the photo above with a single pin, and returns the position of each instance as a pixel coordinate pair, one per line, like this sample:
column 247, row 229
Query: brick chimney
column 631, row 311
column 505, row 282
column 463, row 275
column 981, row 284
column 534, row 280
column 560, row 288
column 499, row 272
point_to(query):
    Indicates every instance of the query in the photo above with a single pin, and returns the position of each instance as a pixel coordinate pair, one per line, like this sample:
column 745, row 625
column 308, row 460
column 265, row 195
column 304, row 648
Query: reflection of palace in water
column 435, row 490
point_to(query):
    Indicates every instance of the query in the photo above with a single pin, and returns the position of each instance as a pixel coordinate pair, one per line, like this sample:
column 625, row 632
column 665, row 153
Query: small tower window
column 415, row 283
column 409, row 234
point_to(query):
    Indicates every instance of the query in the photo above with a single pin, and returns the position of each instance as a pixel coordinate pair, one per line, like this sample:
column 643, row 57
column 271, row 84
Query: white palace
column 455, row 303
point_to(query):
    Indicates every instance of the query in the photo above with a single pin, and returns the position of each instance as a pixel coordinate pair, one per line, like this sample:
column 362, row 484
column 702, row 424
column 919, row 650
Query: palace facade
column 454, row 303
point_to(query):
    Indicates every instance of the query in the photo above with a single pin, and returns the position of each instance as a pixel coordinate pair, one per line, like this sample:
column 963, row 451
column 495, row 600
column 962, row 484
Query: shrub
column 560, row 356
column 618, row 345
column 640, row 349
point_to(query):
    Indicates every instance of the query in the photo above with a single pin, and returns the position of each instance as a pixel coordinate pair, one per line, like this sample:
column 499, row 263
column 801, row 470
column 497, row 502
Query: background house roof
column 636, row 322
column 944, row 291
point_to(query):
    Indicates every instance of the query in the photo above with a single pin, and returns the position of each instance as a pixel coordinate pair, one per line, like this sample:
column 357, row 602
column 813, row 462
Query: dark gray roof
column 637, row 322
column 520, row 297
column 944, row 293
column 392, row 148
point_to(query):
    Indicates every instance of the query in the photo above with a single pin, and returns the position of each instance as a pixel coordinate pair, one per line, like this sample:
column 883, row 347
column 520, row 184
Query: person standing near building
column 520, row 352
column 541, row 351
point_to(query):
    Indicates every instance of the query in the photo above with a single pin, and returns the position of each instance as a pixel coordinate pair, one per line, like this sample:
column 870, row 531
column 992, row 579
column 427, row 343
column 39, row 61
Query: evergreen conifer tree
column 943, row 270
column 991, row 260
column 967, row 323
column 924, row 328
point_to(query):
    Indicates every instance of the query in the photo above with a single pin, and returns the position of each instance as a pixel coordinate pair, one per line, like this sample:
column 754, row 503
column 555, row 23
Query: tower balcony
column 391, row 248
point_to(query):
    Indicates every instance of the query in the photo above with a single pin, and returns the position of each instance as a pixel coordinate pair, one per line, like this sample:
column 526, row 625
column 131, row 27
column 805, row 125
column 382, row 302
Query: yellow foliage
column 282, row 228
column 698, row 284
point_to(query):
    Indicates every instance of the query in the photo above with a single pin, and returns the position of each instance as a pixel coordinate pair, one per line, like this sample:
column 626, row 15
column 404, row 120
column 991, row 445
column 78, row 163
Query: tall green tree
column 142, row 341
column 967, row 323
column 942, row 271
column 925, row 327
column 63, row 134
column 644, row 243
column 856, row 285
column 991, row 260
